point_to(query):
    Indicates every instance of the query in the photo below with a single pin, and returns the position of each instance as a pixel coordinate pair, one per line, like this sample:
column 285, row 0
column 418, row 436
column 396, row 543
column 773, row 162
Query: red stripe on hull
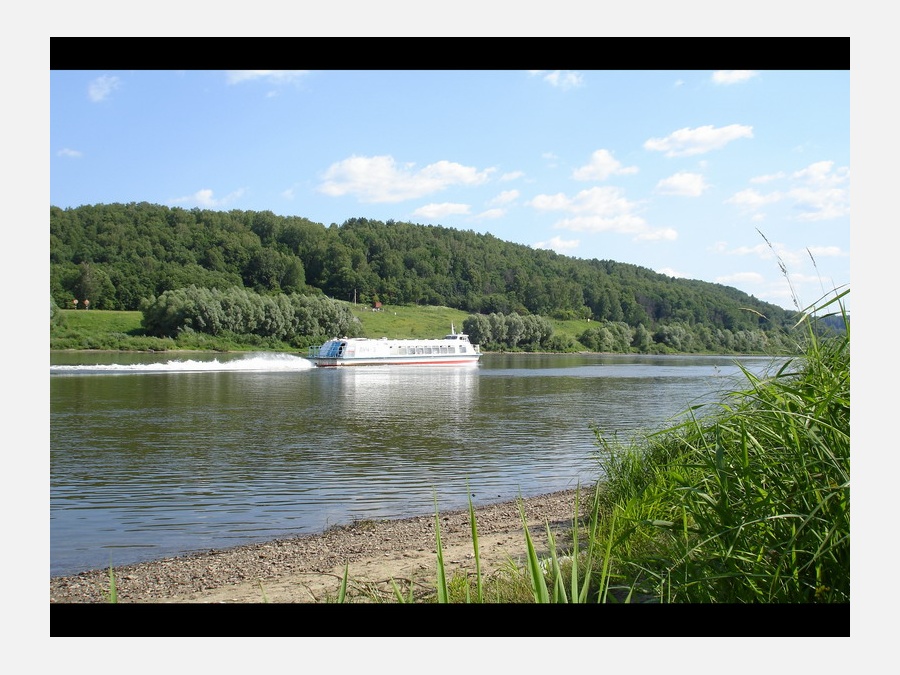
column 360, row 362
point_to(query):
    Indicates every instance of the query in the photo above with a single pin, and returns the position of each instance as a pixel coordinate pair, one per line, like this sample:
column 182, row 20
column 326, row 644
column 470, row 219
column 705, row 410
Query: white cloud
column 685, row 142
column 733, row 76
column 512, row 175
column 100, row 88
column 764, row 252
column 827, row 252
column 603, row 201
column 380, row 179
column 683, row 184
column 600, row 209
column 820, row 174
column 557, row 202
column 824, row 192
column 822, row 204
column 269, row 76
column 768, row 178
column 602, row 166
column 658, row 234
column 68, row 152
column 205, row 199
column 669, row 272
column 740, row 278
column 435, row 211
column 818, row 192
column 564, row 79
column 558, row 244
column 751, row 199
column 504, row 197
column 490, row 214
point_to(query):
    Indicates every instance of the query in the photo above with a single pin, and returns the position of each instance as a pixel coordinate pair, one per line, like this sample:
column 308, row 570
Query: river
column 154, row 455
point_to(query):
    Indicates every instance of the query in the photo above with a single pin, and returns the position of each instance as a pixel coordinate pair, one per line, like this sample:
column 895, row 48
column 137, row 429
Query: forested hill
column 118, row 254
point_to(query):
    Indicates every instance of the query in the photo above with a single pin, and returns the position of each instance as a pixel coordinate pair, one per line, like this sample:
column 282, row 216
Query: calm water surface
column 153, row 455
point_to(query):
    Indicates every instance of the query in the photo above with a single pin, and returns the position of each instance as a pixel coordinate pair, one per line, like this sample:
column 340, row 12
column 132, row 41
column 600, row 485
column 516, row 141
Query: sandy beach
column 309, row 569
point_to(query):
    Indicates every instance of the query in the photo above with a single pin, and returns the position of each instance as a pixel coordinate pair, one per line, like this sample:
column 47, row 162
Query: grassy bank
column 746, row 502
column 117, row 330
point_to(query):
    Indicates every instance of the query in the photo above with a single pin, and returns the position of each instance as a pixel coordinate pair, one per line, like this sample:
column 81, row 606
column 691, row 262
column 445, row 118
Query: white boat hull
column 322, row 362
column 453, row 349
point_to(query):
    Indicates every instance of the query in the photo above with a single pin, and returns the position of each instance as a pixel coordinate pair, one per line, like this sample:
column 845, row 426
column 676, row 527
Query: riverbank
column 309, row 569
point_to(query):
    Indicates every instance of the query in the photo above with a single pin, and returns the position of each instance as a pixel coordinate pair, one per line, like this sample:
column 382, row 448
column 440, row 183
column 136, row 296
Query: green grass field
column 103, row 321
column 106, row 329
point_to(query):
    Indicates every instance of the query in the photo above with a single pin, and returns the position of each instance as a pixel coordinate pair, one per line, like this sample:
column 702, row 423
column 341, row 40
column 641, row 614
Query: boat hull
column 453, row 350
column 324, row 362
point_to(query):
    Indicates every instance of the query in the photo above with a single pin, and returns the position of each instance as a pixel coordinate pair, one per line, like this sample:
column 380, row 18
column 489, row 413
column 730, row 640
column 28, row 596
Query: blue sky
column 682, row 172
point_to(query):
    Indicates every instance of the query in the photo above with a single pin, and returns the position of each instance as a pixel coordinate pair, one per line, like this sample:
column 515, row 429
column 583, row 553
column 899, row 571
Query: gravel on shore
column 309, row 568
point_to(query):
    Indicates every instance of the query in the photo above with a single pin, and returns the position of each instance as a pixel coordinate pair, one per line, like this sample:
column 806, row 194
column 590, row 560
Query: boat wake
column 259, row 363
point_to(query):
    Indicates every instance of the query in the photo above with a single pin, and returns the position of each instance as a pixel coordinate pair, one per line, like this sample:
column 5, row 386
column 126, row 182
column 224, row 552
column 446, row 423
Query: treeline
column 296, row 319
column 118, row 255
column 499, row 332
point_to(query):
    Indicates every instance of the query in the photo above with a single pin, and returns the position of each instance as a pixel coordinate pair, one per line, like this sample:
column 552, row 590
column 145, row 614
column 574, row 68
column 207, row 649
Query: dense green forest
column 136, row 256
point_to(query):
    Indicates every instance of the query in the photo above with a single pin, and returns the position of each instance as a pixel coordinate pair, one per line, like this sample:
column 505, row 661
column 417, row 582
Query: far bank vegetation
column 212, row 279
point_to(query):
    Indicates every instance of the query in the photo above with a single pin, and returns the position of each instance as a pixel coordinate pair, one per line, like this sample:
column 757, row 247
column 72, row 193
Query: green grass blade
column 113, row 593
column 342, row 591
column 479, row 587
column 535, row 572
column 442, row 595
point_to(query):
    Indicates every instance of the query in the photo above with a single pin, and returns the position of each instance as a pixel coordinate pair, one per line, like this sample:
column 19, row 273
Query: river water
column 154, row 455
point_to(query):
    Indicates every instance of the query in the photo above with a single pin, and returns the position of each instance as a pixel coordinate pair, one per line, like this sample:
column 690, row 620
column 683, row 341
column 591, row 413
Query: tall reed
column 748, row 500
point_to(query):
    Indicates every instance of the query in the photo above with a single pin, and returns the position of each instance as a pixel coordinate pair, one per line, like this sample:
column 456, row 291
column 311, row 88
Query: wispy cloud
column 751, row 200
column 205, row 199
column 817, row 192
column 791, row 258
column 68, row 152
column 686, row 142
column 768, row 178
column 437, row 211
column 558, row 244
column 268, row 76
column 505, row 197
column 683, row 184
column 600, row 209
column 740, row 278
column 100, row 88
column 602, row 166
column 827, row 252
column 380, row 179
column 491, row 214
column 733, row 76
column 823, row 192
column 563, row 79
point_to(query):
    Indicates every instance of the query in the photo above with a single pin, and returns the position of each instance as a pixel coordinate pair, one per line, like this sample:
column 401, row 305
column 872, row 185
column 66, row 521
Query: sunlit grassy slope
column 417, row 321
